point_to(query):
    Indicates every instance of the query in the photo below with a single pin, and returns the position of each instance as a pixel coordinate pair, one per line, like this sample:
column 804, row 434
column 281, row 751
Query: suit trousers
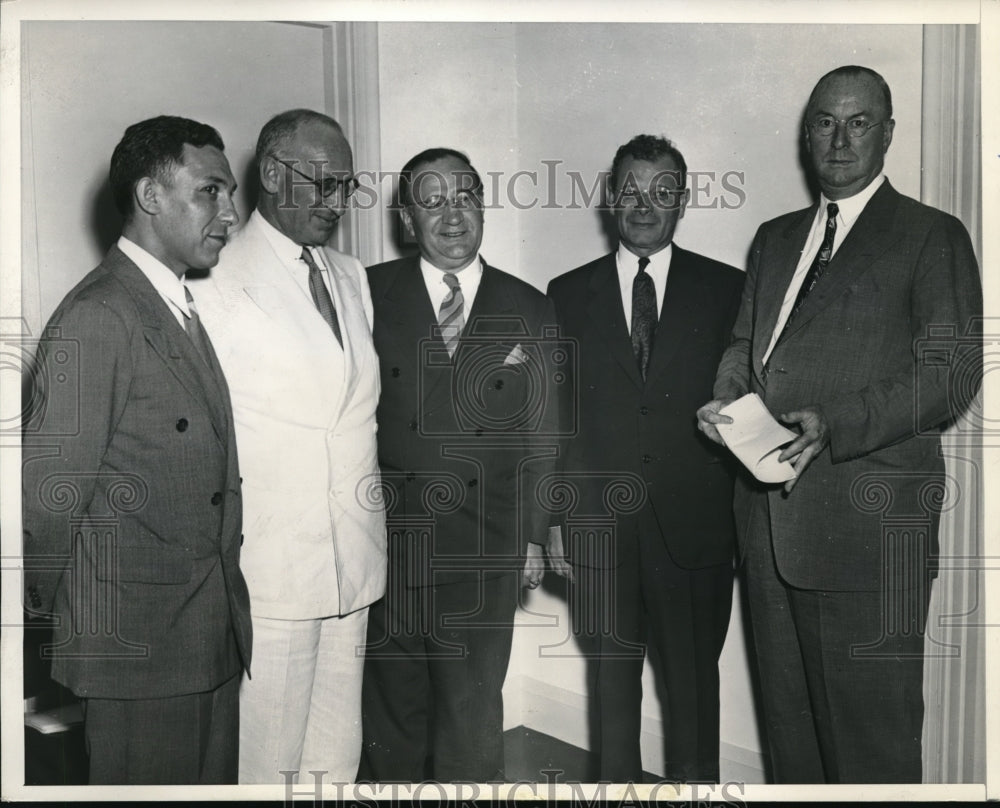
column 683, row 616
column 301, row 710
column 434, row 672
column 841, row 674
column 181, row 740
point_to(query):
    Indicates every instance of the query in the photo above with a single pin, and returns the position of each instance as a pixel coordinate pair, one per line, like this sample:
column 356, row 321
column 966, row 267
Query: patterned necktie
column 321, row 295
column 196, row 331
column 820, row 262
column 450, row 317
column 643, row 317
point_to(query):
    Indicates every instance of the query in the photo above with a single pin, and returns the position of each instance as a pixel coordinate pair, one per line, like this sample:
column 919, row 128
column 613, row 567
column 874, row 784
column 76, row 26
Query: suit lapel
column 683, row 299
column 604, row 307
column 870, row 237
column 773, row 280
column 171, row 343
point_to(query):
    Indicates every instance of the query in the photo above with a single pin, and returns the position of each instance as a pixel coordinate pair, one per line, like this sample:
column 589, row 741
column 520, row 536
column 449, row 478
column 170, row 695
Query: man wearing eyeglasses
column 839, row 299
column 466, row 431
column 291, row 321
column 651, row 321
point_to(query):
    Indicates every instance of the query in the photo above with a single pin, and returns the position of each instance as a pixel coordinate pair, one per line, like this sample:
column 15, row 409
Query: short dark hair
column 151, row 148
column 853, row 71
column 426, row 157
column 649, row 148
column 283, row 126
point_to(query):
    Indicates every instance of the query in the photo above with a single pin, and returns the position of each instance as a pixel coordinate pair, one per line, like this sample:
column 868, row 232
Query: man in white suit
column 291, row 321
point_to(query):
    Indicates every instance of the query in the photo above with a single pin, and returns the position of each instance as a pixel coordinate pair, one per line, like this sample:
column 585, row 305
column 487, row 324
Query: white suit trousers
column 301, row 711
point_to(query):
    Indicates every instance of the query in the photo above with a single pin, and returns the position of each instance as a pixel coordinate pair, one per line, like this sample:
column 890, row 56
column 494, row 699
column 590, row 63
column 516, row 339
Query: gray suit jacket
column 132, row 506
column 883, row 344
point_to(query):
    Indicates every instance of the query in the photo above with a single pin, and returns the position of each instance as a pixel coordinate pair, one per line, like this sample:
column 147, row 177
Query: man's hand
column 814, row 439
column 557, row 554
column 534, row 566
column 708, row 417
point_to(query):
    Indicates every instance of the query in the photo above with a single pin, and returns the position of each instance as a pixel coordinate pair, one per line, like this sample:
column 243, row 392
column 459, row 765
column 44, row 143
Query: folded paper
column 757, row 439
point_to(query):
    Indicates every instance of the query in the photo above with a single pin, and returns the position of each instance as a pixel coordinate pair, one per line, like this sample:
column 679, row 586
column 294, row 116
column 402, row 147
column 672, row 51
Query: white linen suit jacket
column 314, row 528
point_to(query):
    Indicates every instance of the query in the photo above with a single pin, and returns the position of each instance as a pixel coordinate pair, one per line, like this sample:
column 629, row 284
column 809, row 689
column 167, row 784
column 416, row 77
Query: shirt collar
column 163, row 279
column 849, row 209
column 628, row 261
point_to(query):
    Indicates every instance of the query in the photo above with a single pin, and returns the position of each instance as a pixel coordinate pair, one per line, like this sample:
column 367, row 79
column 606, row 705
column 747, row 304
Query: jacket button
column 413, row 426
column 473, row 482
column 395, row 373
column 216, row 497
column 410, row 476
column 479, row 432
column 647, row 458
column 36, row 599
column 643, row 410
column 498, row 384
column 182, row 424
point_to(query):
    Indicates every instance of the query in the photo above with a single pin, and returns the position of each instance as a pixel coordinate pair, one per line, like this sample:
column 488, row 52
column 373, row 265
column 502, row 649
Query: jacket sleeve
column 81, row 382
column 945, row 372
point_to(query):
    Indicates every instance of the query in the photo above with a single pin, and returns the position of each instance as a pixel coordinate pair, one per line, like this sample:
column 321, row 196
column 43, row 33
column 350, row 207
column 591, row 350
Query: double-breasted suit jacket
column 132, row 506
column 305, row 422
column 463, row 443
column 882, row 344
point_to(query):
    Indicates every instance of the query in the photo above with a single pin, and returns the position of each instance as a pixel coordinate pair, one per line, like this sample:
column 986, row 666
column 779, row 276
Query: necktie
column 450, row 317
column 820, row 262
column 196, row 331
column 321, row 295
column 643, row 317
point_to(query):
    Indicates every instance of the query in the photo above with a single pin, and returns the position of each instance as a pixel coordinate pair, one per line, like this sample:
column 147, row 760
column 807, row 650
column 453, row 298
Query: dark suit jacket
column 132, row 506
column 647, row 433
column 462, row 444
column 882, row 345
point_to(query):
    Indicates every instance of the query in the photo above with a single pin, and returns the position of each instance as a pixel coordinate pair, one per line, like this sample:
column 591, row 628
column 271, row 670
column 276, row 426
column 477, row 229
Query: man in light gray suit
column 839, row 299
column 131, row 487
column 291, row 319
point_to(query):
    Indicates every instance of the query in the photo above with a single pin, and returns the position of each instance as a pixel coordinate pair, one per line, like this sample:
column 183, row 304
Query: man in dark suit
column 132, row 506
column 651, row 322
column 463, row 422
column 840, row 298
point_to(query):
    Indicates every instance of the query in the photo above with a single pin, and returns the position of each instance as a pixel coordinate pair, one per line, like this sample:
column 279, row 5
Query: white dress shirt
column 657, row 269
column 167, row 285
column 290, row 254
column 849, row 210
column 468, row 276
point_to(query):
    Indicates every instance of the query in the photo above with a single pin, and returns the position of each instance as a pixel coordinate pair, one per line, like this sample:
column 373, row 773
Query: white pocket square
column 516, row 356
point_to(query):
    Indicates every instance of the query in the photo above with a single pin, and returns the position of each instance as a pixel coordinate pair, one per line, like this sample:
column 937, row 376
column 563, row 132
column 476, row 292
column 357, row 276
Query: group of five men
column 401, row 433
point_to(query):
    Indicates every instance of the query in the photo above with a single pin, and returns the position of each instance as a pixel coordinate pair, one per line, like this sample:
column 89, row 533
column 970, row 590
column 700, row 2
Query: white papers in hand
column 757, row 439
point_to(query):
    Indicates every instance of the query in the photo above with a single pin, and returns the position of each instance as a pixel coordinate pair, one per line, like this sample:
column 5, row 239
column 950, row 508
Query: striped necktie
column 321, row 295
column 196, row 331
column 450, row 317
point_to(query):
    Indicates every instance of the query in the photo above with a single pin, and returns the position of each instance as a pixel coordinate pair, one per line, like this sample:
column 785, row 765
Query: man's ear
column 146, row 195
column 407, row 218
column 270, row 176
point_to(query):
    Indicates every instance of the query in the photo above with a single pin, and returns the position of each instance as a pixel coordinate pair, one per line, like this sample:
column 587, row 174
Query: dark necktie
column 321, row 295
column 643, row 317
column 450, row 317
column 820, row 262
column 196, row 331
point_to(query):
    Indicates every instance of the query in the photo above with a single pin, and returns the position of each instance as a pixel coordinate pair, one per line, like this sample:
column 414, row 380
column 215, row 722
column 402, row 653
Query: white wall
column 85, row 82
column 514, row 95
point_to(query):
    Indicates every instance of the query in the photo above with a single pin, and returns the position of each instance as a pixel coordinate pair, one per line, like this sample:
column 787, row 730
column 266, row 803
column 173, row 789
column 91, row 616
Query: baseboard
column 561, row 713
